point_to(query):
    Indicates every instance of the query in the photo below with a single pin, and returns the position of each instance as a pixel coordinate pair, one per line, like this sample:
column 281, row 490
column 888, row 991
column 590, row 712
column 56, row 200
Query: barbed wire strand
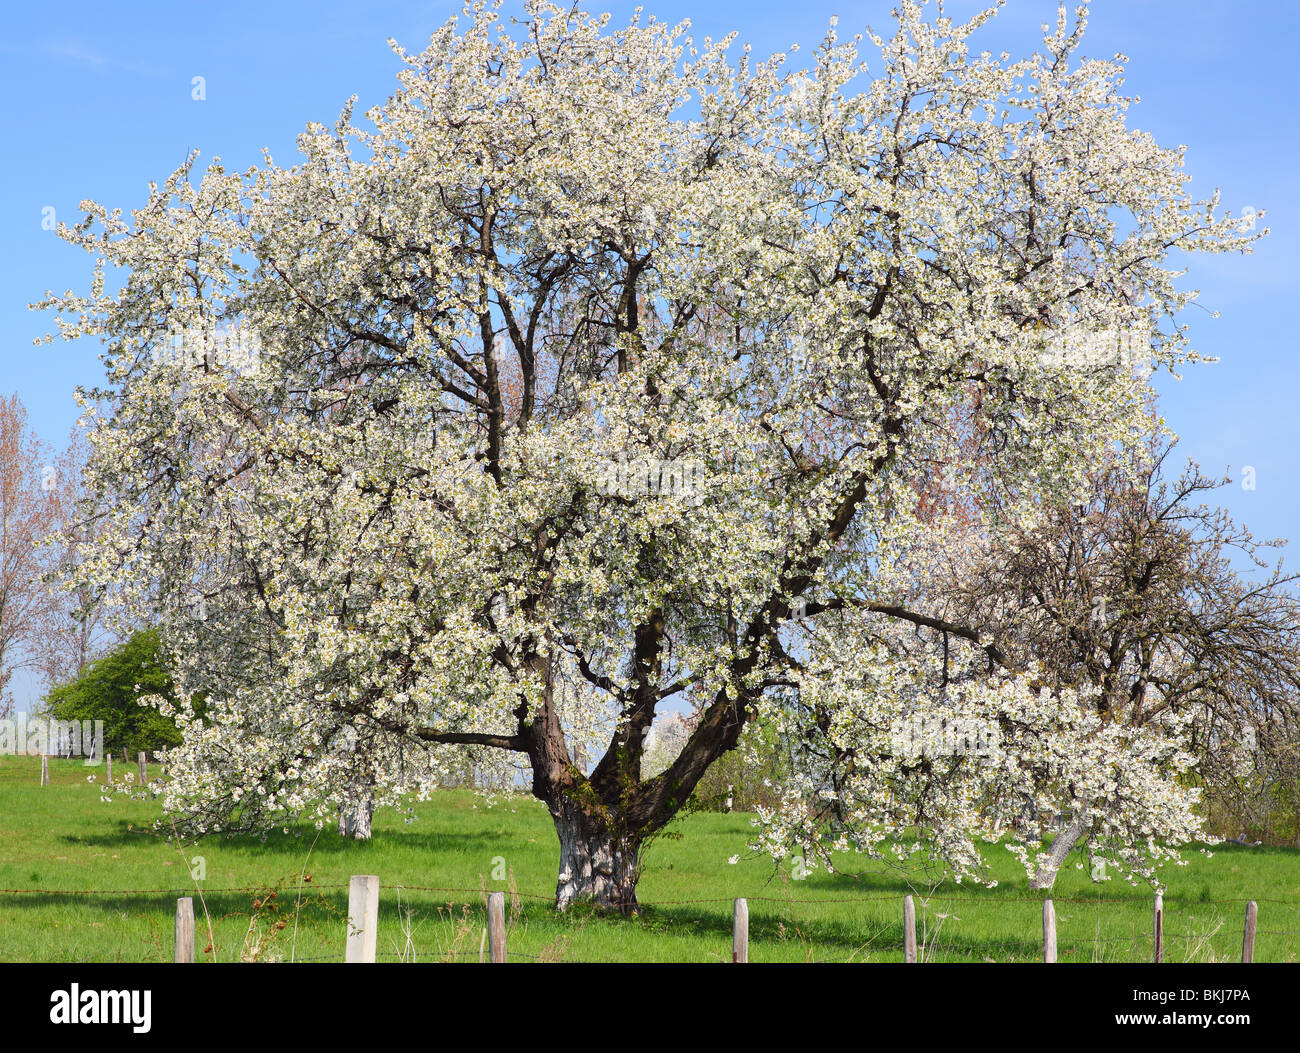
column 478, row 892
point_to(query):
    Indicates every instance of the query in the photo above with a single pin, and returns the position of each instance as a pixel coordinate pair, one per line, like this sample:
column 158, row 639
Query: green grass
column 62, row 839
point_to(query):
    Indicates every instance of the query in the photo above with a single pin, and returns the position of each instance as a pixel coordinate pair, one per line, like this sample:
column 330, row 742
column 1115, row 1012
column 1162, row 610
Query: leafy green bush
column 108, row 690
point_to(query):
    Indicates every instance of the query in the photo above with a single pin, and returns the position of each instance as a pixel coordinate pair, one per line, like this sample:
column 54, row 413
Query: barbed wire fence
column 362, row 920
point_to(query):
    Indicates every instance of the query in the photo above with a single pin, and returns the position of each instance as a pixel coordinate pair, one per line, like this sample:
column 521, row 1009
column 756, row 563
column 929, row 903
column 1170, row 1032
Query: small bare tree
column 69, row 629
column 29, row 510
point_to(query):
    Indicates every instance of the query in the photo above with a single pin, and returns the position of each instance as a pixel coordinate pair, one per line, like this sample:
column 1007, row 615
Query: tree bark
column 597, row 864
column 1062, row 844
column 354, row 820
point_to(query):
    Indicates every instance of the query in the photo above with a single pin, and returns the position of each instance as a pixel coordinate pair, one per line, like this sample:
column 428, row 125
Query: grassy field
column 58, row 843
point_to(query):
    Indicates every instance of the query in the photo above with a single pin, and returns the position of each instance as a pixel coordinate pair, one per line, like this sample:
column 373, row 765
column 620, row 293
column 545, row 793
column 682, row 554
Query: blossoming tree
column 392, row 533
column 1131, row 590
column 1123, row 601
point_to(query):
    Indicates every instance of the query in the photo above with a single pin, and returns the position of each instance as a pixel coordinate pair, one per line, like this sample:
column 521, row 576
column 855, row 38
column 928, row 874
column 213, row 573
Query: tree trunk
column 354, row 821
column 596, row 864
column 1048, row 868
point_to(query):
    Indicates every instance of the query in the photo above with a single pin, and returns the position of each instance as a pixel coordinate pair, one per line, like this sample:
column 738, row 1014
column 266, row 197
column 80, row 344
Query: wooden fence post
column 1049, row 931
column 909, row 930
column 144, row 777
column 1248, row 938
column 1159, row 928
column 740, row 932
column 108, row 770
column 497, row 926
column 45, row 770
column 184, row 930
column 363, row 918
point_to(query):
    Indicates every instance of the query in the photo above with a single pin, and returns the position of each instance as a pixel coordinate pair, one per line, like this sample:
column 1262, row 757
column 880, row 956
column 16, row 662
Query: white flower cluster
column 861, row 786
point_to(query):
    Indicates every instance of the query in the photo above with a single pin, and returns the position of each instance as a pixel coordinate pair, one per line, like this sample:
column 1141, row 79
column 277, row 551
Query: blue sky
column 98, row 102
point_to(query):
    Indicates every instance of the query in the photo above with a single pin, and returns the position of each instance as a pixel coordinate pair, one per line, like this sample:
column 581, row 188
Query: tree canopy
column 588, row 363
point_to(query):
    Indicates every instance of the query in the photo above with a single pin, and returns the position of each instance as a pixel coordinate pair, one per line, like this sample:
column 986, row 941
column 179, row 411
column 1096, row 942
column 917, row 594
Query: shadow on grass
column 125, row 834
column 816, row 939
